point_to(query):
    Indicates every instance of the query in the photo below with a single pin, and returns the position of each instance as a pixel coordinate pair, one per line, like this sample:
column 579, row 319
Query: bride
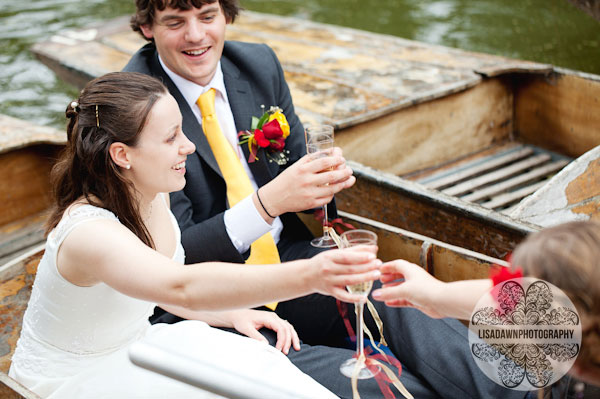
column 113, row 252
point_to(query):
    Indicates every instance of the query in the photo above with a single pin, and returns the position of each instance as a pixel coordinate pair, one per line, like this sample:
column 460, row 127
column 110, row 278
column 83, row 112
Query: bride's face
column 158, row 159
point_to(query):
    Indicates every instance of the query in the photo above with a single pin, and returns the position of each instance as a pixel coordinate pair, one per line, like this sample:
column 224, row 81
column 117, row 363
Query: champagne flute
column 319, row 140
column 356, row 365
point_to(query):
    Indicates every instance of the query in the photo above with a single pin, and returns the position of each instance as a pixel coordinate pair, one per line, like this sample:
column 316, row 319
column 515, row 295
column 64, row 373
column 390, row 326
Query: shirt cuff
column 244, row 224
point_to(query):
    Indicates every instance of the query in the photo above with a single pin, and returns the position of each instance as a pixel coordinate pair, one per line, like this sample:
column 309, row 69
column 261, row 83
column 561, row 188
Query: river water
column 548, row 31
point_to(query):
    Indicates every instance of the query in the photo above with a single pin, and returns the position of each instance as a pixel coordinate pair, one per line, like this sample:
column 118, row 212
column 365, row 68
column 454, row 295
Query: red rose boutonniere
column 269, row 132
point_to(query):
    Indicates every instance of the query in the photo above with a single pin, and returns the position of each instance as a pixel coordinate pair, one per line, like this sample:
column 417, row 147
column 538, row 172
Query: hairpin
column 97, row 119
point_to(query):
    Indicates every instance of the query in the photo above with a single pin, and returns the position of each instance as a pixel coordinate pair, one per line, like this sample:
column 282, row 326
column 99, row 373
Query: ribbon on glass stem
column 373, row 362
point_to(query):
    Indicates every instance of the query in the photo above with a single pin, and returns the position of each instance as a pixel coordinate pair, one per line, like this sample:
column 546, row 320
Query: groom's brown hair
column 145, row 10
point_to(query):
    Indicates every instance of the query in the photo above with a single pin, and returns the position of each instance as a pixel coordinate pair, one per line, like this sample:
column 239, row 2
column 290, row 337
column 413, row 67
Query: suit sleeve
column 205, row 240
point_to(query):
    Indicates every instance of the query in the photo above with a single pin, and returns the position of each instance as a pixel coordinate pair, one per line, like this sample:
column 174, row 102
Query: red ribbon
column 499, row 274
column 338, row 224
column 382, row 378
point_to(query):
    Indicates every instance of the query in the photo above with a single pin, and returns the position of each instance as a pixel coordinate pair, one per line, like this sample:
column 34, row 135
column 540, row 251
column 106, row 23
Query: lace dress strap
column 75, row 217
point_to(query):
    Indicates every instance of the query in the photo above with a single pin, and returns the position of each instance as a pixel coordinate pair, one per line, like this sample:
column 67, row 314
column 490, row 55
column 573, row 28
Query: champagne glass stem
column 360, row 342
column 325, row 222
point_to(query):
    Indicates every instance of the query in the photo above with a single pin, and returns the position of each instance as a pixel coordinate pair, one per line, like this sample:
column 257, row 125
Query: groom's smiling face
column 189, row 42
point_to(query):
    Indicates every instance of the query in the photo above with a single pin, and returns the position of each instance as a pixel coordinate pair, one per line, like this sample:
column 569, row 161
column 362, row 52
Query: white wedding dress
column 74, row 341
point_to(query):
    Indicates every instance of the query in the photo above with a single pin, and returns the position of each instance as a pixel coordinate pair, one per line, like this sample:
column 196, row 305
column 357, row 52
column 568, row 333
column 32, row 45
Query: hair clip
column 97, row 119
column 74, row 105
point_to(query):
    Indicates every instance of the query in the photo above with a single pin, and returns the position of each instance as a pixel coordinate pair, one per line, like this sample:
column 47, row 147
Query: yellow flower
column 283, row 123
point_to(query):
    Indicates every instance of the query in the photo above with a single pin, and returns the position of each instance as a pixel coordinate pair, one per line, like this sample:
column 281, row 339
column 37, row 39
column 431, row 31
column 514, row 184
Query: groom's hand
column 309, row 183
column 249, row 322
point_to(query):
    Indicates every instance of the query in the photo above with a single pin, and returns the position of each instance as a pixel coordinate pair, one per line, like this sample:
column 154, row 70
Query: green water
column 548, row 31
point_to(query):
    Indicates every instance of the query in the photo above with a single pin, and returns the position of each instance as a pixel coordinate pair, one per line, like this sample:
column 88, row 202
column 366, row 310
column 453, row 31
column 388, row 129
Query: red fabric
column 381, row 377
column 338, row 224
column 344, row 314
column 499, row 274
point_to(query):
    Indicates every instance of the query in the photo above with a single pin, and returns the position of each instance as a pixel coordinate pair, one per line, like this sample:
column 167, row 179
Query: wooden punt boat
column 27, row 153
column 445, row 142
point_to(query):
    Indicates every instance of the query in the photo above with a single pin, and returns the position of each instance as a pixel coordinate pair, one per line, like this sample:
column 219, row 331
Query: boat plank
column 480, row 166
column 515, row 181
column 443, row 168
column 507, row 198
column 499, row 174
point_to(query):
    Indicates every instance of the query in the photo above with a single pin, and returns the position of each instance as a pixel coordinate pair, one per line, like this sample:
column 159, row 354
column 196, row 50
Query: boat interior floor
column 497, row 178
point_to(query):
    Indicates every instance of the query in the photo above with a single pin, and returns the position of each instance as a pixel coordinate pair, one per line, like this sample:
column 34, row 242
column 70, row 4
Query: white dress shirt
column 243, row 222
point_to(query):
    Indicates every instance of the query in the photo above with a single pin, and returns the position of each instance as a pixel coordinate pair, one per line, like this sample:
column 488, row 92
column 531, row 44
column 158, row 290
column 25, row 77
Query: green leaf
column 254, row 124
column 262, row 120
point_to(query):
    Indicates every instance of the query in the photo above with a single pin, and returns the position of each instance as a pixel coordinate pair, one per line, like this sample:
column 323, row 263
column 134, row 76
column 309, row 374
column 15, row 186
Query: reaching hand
column 249, row 321
column 309, row 183
column 335, row 269
column 417, row 290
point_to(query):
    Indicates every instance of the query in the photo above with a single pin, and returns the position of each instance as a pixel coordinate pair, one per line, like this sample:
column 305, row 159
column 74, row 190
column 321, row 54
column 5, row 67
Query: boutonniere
column 268, row 132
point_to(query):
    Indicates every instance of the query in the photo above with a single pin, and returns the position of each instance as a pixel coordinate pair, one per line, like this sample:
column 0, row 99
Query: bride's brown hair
column 111, row 108
column 568, row 256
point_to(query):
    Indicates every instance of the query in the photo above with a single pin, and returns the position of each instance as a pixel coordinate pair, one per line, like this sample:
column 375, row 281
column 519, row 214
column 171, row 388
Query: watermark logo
column 525, row 334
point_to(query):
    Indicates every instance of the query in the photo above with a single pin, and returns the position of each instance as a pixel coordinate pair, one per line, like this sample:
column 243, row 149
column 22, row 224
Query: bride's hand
column 335, row 269
column 249, row 322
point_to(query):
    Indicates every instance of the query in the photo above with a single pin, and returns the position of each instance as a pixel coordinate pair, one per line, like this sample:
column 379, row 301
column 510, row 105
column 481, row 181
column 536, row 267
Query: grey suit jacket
column 253, row 77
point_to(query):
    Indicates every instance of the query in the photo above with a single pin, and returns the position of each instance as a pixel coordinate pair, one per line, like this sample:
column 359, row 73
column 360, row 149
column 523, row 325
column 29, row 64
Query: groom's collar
column 190, row 90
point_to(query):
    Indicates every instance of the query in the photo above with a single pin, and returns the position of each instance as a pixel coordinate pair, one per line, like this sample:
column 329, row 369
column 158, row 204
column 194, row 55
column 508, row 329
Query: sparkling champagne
column 360, row 288
column 351, row 241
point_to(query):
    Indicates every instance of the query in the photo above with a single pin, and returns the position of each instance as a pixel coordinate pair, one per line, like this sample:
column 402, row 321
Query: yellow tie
column 263, row 250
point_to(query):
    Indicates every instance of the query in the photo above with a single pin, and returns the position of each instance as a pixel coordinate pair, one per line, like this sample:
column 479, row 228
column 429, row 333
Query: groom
column 188, row 52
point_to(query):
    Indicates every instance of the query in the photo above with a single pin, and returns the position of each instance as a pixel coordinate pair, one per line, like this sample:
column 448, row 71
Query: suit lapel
column 243, row 106
column 191, row 127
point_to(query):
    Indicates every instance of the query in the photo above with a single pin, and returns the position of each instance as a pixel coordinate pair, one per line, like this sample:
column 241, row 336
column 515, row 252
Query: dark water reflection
column 549, row 31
